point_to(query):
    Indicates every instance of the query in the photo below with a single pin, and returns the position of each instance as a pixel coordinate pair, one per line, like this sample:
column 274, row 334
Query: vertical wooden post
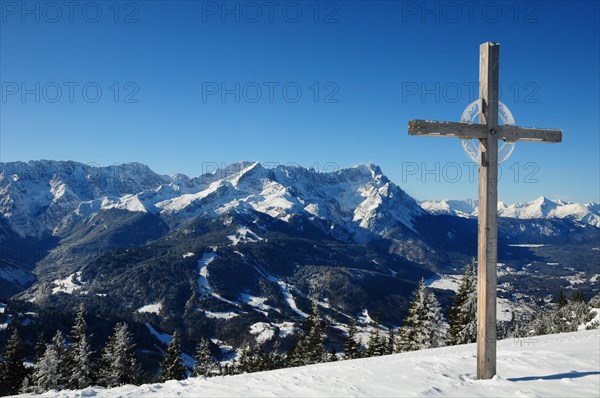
column 488, row 203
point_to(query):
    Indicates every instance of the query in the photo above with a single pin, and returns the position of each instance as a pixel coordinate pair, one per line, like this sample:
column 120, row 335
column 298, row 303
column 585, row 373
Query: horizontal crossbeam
column 479, row 131
column 529, row 134
column 446, row 129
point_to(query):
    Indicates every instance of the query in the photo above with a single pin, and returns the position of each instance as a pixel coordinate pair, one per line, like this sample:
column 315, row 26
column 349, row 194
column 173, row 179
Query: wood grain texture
column 446, row 129
column 487, row 242
column 529, row 134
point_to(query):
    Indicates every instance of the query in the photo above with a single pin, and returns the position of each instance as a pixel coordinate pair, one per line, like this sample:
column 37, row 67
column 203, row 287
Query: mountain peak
column 371, row 167
column 541, row 200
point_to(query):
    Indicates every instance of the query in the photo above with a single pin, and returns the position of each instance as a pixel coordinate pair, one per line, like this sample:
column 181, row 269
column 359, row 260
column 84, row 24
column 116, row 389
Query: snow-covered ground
column 221, row 315
column 203, row 285
column 445, row 282
column 162, row 337
column 150, row 308
column 68, row 285
column 562, row 365
column 243, row 235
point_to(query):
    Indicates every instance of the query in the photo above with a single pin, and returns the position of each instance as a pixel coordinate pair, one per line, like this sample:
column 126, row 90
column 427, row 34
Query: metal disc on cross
column 471, row 146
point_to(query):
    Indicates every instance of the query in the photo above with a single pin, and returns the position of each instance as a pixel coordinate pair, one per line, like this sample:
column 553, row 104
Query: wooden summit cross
column 488, row 132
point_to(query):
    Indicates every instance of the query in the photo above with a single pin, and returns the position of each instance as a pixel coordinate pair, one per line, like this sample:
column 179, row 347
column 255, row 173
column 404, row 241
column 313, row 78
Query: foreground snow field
column 565, row 365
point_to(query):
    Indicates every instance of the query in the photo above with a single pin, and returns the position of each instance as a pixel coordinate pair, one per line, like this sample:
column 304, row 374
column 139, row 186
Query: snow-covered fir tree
column 80, row 361
column 205, row 364
column 309, row 347
column 256, row 359
column 249, row 362
column 277, row 358
column 391, row 342
column 413, row 335
column 245, row 364
column 118, row 365
column 12, row 370
column 172, row 368
column 436, row 322
column 376, row 345
column 595, row 301
column 294, row 355
column 40, row 350
column 40, row 346
column 352, row 346
column 51, row 371
column 463, row 314
column 262, row 360
column 569, row 317
column 423, row 326
column 594, row 308
column 562, row 299
column 314, row 343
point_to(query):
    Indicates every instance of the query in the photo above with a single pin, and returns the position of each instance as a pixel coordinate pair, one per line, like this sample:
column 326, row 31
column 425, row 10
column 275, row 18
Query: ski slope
column 546, row 366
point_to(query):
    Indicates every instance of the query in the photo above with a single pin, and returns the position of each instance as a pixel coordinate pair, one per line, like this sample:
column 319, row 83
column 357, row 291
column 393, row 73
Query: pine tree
column 40, row 346
column 463, row 315
column 593, row 308
column 277, row 359
column 296, row 352
column 314, row 343
column 352, row 346
column 51, row 371
column 257, row 359
column 309, row 347
column 540, row 325
column 247, row 363
column 234, row 368
column 412, row 333
column 262, row 360
column 595, row 301
column 567, row 318
column 80, row 362
column 578, row 297
column 562, row 300
column 118, row 365
column 391, row 342
column 424, row 325
column 172, row 367
column 435, row 322
column 376, row 346
column 205, row 363
column 12, row 370
column 333, row 355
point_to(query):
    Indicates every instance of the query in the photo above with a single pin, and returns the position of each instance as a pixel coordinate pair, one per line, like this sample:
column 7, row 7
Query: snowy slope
column 563, row 365
column 541, row 207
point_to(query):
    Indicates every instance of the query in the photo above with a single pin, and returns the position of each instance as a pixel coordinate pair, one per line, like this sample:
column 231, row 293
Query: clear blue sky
column 377, row 64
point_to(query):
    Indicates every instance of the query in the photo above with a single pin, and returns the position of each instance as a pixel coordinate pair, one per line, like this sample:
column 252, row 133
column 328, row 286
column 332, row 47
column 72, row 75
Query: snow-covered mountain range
column 45, row 197
column 540, row 208
column 38, row 198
